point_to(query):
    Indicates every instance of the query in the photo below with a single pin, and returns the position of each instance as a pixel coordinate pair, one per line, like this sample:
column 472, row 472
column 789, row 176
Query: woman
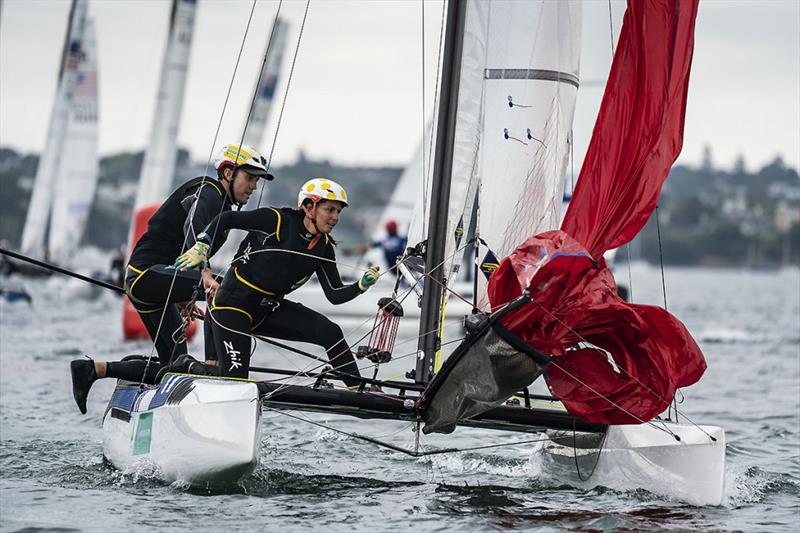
column 283, row 248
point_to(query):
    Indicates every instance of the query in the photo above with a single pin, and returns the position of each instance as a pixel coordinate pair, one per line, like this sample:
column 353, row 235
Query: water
column 52, row 475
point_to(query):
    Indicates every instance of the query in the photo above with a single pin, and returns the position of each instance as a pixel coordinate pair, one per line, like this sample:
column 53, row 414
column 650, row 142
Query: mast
column 430, row 340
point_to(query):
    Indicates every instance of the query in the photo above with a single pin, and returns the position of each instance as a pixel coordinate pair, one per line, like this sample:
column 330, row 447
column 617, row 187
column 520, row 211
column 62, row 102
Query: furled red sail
column 637, row 137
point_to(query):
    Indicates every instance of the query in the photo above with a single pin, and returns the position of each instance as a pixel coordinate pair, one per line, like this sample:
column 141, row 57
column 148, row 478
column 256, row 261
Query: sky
column 356, row 95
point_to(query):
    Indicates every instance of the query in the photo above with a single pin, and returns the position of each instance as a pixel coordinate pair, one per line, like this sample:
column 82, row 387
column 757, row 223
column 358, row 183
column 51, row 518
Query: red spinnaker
column 637, row 355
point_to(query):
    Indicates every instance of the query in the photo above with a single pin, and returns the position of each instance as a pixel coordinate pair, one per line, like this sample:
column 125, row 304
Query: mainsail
column 73, row 56
column 612, row 362
column 531, row 84
column 517, row 89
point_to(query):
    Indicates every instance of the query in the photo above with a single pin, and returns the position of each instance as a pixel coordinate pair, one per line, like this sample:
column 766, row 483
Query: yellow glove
column 369, row 278
column 194, row 256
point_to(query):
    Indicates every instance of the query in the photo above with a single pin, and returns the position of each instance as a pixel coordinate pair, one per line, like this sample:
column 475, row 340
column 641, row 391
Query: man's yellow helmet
column 245, row 157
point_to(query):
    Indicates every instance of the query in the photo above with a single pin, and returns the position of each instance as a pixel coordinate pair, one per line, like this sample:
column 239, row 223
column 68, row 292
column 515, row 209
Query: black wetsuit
column 277, row 256
column 149, row 277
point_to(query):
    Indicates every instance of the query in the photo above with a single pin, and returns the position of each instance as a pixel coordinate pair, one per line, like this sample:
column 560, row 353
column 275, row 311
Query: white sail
column 38, row 216
column 530, row 88
column 265, row 91
column 76, row 179
column 401, row 205
column 155, row 181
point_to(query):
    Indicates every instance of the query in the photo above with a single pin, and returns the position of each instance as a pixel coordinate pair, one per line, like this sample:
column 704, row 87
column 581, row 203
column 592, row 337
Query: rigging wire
column 661, row 261
column 258, row 80
column 424, row 178
column 285, row 95
column 387, row 445
column 572, row 162
column 611, row 29
column 664, row 293
column 426, row 175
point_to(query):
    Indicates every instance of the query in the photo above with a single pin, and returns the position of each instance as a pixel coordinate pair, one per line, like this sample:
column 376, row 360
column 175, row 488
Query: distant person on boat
column 151, row 280
column 393, row 245
column 283, row 249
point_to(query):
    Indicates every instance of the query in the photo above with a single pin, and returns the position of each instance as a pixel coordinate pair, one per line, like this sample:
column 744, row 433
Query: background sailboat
column 158, row 169
column 67, row 173
column 255, row 124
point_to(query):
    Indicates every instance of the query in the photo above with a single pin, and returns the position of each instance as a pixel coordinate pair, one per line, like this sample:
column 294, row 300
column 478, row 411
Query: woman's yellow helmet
column 322, row 189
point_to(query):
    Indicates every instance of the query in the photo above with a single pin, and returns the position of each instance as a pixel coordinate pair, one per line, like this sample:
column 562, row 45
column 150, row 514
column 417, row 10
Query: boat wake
column 753, row 485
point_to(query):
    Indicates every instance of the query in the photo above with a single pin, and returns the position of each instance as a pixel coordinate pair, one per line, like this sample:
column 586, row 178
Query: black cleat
column 83, row 375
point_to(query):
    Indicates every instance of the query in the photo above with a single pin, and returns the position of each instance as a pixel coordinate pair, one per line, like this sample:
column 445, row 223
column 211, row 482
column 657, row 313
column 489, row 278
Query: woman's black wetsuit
column 278, row 256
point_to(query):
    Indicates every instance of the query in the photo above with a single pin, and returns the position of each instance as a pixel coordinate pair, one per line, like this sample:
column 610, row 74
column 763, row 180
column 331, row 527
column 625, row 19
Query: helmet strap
column 230, row 181
column 312, row 217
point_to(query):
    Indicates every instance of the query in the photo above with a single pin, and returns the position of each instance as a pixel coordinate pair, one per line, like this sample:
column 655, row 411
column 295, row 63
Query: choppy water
column 52, row 475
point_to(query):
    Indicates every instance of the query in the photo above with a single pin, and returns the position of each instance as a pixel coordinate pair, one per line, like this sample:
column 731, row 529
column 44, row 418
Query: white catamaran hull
column 190, row 429
column 649, row 457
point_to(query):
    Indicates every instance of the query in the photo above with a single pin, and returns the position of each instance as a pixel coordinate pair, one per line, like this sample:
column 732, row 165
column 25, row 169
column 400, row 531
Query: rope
column 630, row 277
column 575, row 454
column 309, row 368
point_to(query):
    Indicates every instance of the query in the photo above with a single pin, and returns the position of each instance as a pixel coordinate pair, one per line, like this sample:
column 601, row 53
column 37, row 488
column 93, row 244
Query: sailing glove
column 196, row 255
column 368, row 279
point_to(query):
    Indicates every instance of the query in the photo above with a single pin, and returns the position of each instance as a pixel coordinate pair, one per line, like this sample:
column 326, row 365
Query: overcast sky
column 356, row 94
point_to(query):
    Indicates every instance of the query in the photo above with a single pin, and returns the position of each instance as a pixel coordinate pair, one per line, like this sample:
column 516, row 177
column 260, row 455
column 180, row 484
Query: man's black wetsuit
column 150, row 273
column 277, row 256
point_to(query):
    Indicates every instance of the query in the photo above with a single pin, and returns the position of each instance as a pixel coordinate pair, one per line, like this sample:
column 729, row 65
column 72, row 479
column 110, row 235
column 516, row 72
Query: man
column 151, row 282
